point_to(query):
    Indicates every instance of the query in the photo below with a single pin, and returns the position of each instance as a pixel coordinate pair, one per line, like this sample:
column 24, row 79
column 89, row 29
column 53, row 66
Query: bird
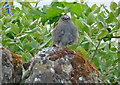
column 65, row 32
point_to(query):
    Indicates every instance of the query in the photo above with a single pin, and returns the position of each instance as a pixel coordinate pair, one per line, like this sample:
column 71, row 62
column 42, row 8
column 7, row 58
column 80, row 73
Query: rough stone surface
column 49, row 65
column 11, row 67
column 60, row 65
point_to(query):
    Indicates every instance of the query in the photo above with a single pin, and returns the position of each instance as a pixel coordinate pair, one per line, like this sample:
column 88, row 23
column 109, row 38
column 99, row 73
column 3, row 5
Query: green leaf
column 102, row 34
column 96, row 62
column 93, row 7
column 81, row 51
column 103, row 14
column 45, row 8
column 83, row 21
column 25, row 41
column 36, row 13
column 36, row 34
column 85, row 45
column 28, row 54
column 33, row 44
column 113, row 5
column 18, row 9
column 1, row 23
column 81, row 38
column 6, row 19
column 25, row 7
column 90, row 19
column 116, row 28
column 53, row 11
column 77, row 7
column 88, row 38
column 7, row 30
column 14, row 48
column 25, row 21
column 22, row 36
column 79, row 24
column 86, row 29
column 56, row 3
column 31, row 31
column 88, row 11
column 74, row 7
column 105, row 8
column 102, row 45
column 100, row 18
column 117, row 12
column 97, row 10
column 14, row 28
column 84, row 16
column 110, row 18
column 45, row 43
column 73, row 18
column 20, row 47
column 25, row 57
column 109, row 35
column 100, row 25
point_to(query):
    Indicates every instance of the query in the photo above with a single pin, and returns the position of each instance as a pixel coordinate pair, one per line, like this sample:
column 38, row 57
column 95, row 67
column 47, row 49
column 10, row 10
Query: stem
column 89, row 42
column 90, row 37
column 96, row 50
column 19, row 34
column 118, row 54
column 113, row 37
column 25, row 5
column 98, row 46
column 36, row 4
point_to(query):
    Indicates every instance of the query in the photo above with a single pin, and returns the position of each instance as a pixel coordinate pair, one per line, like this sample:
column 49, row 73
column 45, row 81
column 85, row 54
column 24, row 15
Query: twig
column 96, row 49
column 36, row 4
column 19, row 34
column 89, row 43
column 113, row 37
column 25, row 5
column 90, row 37
column 97, row 46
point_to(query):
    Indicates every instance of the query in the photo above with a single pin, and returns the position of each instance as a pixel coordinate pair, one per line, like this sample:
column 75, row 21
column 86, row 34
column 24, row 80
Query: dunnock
column 65, row 32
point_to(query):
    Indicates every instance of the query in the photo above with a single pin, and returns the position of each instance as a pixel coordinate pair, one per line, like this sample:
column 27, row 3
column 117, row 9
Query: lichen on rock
column 11, row 67
column 60, row 65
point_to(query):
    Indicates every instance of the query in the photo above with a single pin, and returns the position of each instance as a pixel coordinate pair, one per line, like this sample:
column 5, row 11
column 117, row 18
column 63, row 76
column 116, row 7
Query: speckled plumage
column 65, row 32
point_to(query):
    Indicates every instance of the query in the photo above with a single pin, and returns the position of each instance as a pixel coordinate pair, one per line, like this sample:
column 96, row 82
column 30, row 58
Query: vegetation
column 27, row 30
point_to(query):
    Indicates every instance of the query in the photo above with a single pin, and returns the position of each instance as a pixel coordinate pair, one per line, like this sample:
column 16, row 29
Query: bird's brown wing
column 56, row 25
column 52, row 33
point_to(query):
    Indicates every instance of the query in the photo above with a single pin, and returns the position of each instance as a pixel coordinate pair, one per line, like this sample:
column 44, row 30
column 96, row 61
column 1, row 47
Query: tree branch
column 98, row 46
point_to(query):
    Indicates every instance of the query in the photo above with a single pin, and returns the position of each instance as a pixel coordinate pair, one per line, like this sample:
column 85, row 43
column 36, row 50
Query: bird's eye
column 63, row 17
column 68, row 17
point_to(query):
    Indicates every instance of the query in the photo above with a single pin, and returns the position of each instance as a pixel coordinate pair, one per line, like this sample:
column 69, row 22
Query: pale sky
column 103, row 1
column 90, row 2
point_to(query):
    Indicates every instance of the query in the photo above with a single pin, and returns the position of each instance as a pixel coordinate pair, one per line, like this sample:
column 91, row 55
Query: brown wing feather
column 56, row 25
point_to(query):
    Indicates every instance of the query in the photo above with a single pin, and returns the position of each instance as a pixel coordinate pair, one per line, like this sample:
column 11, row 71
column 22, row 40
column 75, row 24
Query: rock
column 11, row 67
column 60, row 65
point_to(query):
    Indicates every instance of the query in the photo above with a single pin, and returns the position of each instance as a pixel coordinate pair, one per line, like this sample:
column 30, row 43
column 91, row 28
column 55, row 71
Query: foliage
column 28, row 30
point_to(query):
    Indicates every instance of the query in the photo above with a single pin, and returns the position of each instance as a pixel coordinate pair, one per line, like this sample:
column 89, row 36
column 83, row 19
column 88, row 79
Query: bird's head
column 63, row 18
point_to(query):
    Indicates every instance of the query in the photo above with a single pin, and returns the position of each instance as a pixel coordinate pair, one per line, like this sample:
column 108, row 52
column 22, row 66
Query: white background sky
column 90, row 2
